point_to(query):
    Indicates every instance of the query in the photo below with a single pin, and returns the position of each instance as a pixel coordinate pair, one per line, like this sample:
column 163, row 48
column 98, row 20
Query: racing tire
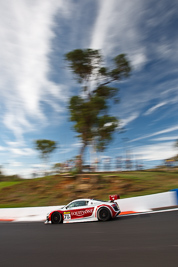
column 104, row 214
column 56, row 218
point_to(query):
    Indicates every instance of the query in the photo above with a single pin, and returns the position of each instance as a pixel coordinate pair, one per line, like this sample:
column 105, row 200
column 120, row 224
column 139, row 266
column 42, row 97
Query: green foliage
column 45, row 147
column 86, row 115
column 83, row 62
column 122, row 69
column 57, row 167
column 90, row 112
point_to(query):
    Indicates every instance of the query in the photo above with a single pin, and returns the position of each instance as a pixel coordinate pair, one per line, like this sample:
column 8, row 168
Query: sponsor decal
column 67, row 215
column 87, row 212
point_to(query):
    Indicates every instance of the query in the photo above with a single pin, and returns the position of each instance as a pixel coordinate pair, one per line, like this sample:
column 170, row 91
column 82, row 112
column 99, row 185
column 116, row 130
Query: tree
column 176, row 144
column 89, row 110
column 45, row 147
column 57, row 167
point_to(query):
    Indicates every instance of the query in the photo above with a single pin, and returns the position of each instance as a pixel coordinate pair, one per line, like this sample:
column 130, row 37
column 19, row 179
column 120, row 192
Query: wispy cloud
column 26, row 30
column 152, row 109
column 159, row 151
column 167, row 130
column 15, row 164
column 113, row 33
column 126, row 121
column 113, row 22
column 165, row 138
column 17, row 149
column 15, row 144
column 77, row 144
column 2, row 148
column 22, row 152
column 66, row 149
column 34, row 36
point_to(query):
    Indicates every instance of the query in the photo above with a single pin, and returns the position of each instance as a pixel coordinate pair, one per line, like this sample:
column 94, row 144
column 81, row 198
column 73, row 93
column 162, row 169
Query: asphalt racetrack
column 142, row 240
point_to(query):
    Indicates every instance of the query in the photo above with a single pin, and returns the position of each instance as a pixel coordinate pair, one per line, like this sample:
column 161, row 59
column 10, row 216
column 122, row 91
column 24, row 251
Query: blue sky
column 35, row 84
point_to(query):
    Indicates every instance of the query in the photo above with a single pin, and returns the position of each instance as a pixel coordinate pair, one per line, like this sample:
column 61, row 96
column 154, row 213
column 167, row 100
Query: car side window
column 71, row 205
column 81, row 203
column 77, row 204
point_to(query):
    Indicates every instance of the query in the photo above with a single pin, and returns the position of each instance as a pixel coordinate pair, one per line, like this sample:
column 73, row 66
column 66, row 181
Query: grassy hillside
column 60, row 189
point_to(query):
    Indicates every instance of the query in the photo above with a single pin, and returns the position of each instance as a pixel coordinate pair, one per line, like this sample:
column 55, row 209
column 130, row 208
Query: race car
column 85, row 210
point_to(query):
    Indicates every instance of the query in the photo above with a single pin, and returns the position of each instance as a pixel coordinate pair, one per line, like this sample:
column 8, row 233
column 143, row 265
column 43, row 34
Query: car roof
column 89, row 199
column 82, row 199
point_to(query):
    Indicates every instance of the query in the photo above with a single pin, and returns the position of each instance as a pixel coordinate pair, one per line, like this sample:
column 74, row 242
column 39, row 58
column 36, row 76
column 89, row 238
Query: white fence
column 148, row 202
column 136, row 204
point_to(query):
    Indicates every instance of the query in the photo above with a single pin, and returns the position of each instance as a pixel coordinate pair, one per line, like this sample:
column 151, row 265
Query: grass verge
column 60, row 189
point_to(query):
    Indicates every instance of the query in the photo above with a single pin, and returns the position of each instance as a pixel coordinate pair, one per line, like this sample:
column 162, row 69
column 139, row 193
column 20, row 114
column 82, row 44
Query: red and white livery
column 85, row 210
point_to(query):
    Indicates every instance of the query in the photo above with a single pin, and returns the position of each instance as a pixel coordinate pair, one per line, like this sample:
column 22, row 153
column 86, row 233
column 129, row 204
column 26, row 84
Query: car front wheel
column 56, row 218
column 104, row 214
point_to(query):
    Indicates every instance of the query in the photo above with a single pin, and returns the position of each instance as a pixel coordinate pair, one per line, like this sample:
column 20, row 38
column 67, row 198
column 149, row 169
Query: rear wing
column 114, row 197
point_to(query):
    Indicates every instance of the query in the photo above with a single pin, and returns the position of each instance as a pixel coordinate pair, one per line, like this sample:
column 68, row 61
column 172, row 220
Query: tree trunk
column 80, row 160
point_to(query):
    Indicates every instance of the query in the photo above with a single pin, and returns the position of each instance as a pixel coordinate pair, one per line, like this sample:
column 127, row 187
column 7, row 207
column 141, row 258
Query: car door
column 78, row 210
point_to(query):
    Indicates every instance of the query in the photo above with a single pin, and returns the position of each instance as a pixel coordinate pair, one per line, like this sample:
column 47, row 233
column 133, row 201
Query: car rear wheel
column 56, row 217
column 104, row 214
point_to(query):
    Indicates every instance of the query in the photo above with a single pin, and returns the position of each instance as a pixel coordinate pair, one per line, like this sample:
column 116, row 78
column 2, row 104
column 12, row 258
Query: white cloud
column 113, row 30
column 170, row 91
column 17, row 149
column 154, row 152
column 23, row 173
column 16, row 164
column 151, row 110
column 108, row 124
column 2, row 148
column 138, row 60
column 126, row 121
column 17, row 122
column 38, row 165
column 166, row 138
column 22, row 151
column 77, row 144
column 128, row 26
column 15, row 143
column 26, row 31
column 105, row 157
column 66, row 150
column 168, row 130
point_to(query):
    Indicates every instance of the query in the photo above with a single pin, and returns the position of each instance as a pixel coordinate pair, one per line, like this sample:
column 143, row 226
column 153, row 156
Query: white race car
column 84, row 210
